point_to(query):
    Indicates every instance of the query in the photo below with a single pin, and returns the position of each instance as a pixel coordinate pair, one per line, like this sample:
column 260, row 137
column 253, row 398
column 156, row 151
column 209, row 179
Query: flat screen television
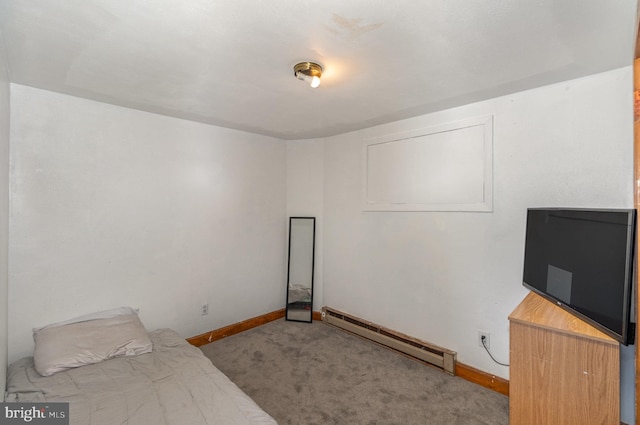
column 583, row 261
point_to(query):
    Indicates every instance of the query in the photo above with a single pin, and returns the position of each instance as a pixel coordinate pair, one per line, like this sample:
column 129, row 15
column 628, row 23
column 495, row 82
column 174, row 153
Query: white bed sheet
column 175, row 384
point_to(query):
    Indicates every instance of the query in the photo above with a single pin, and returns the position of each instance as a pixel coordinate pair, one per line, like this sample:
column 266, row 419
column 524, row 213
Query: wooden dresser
column 563, row 371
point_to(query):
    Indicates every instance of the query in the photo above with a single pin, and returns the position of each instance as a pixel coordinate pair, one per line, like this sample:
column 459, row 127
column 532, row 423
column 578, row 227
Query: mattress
column 175, row 384
column 299, row 294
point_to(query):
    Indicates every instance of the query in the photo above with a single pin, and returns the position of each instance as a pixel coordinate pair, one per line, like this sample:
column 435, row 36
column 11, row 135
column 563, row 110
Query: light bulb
column 309, row 72
column 315, row 82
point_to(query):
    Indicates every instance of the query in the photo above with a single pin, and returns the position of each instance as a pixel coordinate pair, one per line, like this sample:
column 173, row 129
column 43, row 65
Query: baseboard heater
column 432, row 354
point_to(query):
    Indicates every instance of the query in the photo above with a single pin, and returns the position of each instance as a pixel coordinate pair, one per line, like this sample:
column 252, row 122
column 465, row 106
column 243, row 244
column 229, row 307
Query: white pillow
column 105, row 314
column 89, row 339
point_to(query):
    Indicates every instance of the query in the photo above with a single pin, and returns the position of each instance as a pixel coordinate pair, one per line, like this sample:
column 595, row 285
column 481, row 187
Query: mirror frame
column 288, row 307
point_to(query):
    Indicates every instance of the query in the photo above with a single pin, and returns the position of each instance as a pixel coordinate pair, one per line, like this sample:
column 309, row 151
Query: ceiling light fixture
column 309, row 72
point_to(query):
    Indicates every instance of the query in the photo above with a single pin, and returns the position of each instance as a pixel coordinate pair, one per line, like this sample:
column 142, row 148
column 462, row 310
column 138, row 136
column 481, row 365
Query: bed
column 172, row 383
column 299, row 295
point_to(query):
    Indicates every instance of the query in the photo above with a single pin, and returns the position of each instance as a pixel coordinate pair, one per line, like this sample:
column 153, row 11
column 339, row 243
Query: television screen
column 582, row 259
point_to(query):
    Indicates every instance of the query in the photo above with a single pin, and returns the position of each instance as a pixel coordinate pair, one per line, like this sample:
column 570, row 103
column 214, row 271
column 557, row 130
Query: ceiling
column 230, row 62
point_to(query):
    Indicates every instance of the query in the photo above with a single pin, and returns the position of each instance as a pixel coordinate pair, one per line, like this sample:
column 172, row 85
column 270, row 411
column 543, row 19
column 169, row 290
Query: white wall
column 305, row 176
column 113, row 206
column 4, row 212
column 443, row 276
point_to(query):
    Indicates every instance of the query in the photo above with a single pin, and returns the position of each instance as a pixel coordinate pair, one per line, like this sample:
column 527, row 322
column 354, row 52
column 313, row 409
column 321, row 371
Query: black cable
column 484, row 344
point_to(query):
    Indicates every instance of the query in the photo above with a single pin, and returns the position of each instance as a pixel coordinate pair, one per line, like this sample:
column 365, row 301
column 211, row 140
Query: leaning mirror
column 302, row 234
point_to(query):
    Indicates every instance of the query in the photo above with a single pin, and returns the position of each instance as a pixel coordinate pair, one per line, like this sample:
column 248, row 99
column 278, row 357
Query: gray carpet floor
column 314, row 374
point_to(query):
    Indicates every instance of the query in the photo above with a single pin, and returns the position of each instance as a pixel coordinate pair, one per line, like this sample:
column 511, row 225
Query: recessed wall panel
column 443, row 168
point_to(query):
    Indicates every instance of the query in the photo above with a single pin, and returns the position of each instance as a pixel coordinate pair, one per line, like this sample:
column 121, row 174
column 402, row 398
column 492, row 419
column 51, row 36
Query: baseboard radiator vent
column 432, row 354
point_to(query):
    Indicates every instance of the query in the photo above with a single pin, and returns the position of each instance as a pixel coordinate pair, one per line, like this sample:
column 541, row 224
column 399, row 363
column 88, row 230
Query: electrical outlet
column 204, row 309
column 487, row 339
